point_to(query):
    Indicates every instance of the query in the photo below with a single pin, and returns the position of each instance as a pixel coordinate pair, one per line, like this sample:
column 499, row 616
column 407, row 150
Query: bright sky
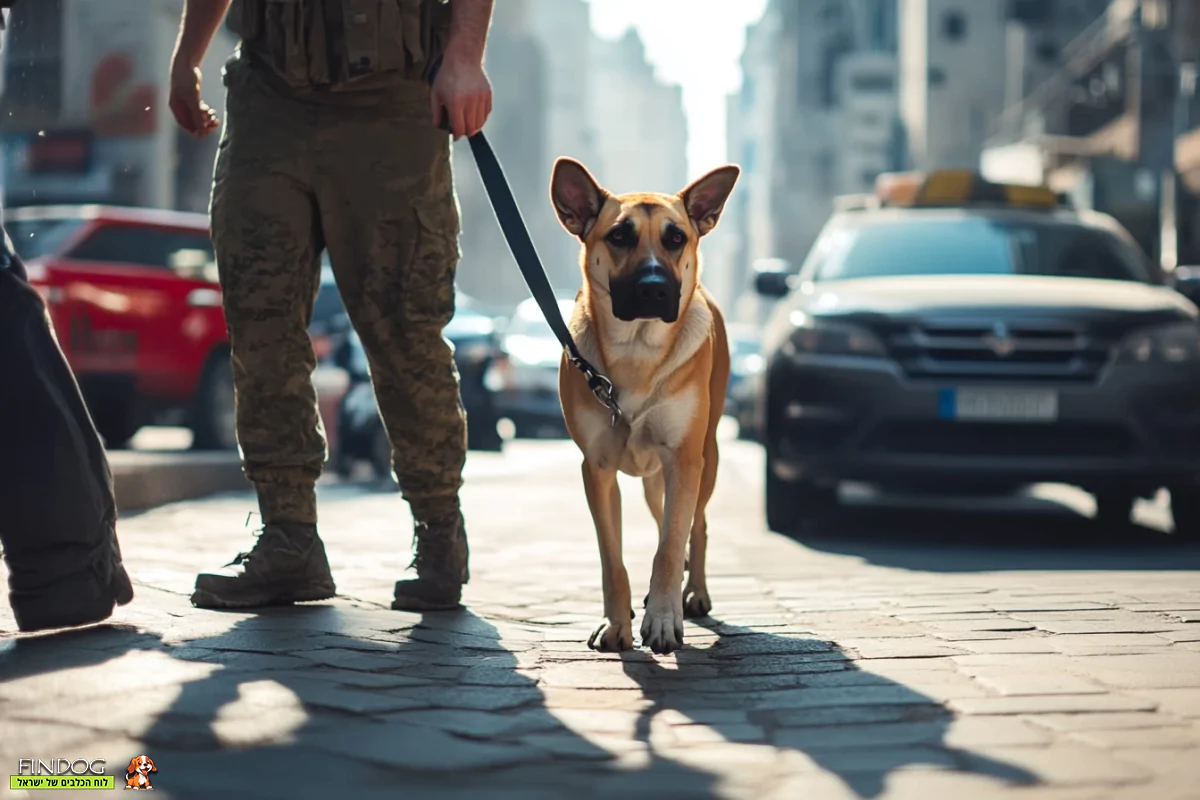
column 697, row 44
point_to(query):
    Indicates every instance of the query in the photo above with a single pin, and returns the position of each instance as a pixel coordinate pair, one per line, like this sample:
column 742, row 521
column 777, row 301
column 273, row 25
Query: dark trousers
column 57, row 509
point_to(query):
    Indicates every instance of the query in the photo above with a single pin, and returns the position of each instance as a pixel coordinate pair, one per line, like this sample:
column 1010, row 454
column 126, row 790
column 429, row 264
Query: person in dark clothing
column 57, row 507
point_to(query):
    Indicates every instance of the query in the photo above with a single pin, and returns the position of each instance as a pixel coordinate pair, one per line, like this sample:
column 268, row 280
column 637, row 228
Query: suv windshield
column 35, row 238
column 975, row 246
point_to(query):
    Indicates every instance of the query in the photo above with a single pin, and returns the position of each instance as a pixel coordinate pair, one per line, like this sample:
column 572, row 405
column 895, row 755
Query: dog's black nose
column 653, row 283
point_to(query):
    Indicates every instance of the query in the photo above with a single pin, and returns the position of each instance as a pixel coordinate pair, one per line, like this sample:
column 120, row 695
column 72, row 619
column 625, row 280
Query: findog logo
column 137, row 774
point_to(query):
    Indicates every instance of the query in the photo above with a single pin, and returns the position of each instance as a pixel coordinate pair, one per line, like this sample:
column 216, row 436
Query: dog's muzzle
column 649, row 292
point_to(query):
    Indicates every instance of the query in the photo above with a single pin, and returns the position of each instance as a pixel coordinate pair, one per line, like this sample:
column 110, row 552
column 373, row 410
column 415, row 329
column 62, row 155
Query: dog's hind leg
column 655, row 487
column 604, row 501
column 696, row 601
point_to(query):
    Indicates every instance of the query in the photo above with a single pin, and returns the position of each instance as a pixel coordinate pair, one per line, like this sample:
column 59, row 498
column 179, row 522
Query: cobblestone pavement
column 897, row 654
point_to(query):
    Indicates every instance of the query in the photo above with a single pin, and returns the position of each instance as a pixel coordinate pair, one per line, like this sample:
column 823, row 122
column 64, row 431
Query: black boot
column 286, row 565
column 441, row 556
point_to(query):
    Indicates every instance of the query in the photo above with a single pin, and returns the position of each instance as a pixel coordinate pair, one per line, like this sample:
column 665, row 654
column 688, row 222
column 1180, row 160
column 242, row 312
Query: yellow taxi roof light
column 956, row 188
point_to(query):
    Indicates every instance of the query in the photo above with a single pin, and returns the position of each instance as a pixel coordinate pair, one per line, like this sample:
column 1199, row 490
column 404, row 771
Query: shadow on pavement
column 811, row 699
column 71, row 649
column 313, row 701
column 316, row 701
column 1039, row 535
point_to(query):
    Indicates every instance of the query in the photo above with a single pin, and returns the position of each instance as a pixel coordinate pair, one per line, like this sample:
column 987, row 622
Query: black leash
column 526, row 256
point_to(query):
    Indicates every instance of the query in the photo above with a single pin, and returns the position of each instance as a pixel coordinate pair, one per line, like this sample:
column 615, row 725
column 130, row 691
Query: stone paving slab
column 839, row 664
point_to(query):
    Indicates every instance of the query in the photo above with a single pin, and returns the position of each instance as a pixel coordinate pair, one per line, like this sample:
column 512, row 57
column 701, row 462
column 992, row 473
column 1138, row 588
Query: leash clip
column 601, row 387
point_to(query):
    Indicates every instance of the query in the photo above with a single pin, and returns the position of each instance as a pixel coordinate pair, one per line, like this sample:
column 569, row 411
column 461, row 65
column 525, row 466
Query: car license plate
column 999, row 405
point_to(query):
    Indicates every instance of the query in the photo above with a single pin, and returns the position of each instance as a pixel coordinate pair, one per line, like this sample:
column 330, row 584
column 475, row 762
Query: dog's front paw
column 612, row 637
column 662, row 626
column 696, row 602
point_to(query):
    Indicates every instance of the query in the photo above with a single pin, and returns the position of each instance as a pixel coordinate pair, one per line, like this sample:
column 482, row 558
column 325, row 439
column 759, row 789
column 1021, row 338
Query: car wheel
column 1114, row 507
column 214, row 418
column 1185, row 509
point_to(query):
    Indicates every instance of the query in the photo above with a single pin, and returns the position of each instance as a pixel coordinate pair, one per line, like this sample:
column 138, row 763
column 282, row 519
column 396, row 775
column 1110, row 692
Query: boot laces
column 244, row 557
column 433, row 545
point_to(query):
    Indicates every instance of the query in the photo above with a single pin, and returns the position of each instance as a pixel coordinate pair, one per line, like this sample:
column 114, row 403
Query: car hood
column 919, row 295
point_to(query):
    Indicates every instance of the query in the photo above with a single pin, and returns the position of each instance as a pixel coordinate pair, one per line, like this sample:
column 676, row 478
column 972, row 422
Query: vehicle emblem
column 1000, row 341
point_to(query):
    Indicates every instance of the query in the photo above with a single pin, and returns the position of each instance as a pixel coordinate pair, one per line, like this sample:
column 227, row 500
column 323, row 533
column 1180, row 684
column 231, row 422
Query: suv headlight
column 823, row 337
column 1175, row 343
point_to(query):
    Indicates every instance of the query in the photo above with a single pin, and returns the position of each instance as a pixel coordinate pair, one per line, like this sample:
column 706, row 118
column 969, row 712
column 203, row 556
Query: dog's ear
column 132, row 768
column 150, row 761
column 704, row 198
column 576, row 196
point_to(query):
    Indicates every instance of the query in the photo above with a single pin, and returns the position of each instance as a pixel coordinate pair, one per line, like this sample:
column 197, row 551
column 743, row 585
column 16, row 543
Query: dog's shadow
column 806, row 695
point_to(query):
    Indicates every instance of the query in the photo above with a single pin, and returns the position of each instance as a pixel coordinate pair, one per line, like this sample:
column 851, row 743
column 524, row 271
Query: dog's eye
column 618, row 237
column 674, row 239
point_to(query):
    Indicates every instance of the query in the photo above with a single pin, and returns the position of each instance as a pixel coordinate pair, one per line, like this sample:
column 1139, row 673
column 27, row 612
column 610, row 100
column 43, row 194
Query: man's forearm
column 201, row 18
column 469, row 22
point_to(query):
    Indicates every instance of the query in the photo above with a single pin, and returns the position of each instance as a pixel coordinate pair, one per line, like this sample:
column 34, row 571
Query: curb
column 146, row 480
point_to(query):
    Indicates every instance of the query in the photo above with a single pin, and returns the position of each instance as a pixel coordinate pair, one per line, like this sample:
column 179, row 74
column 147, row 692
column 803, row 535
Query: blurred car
column 953, row 334
column 526, row 379
column 745, row 361
column 361, row 433
column 133, row 297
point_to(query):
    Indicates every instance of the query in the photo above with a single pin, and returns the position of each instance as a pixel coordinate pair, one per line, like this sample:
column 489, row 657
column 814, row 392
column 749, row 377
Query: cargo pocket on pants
column 429, row 296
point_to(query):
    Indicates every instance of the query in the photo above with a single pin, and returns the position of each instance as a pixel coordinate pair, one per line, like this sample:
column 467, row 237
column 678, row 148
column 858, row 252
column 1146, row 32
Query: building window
column 954, row 26
column 873, row 83
column 33, row 63
column 936, row 76
column 1046, row 51
column 828, row 76
column 747, row 93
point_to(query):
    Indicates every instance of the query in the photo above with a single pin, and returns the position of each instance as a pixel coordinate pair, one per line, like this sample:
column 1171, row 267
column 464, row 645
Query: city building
column 84, row 110
column 516, row 129
column 952, row 78
column 817, row 116
column 607, row 109
column 747, row 230
column 1106, row 126
column 638, row 120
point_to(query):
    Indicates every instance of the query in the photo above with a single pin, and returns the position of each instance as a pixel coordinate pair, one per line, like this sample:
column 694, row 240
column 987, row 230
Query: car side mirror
column 772, row 283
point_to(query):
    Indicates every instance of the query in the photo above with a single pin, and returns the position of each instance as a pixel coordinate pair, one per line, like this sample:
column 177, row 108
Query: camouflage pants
column 373, row 186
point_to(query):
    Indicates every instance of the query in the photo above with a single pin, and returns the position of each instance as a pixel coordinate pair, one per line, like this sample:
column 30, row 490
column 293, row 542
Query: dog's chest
column 649, row 428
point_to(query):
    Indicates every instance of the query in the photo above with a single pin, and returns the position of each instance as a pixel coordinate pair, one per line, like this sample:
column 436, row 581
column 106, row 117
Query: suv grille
column 998, row 349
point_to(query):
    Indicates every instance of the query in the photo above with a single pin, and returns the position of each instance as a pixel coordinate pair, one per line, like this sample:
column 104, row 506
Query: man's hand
column 191, row 112
column 461, row 87
column 200, row 21
column 462, row 92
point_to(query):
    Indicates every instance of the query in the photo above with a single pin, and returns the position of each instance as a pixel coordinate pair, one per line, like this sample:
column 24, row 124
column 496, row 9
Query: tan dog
column 644, row 320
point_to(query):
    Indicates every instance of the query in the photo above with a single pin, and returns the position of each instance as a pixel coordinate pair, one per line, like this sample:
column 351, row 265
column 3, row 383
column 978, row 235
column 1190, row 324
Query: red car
column 134, row 300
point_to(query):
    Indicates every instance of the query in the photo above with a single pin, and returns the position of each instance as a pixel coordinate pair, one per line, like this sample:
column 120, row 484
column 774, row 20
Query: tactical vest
column 343, row 44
